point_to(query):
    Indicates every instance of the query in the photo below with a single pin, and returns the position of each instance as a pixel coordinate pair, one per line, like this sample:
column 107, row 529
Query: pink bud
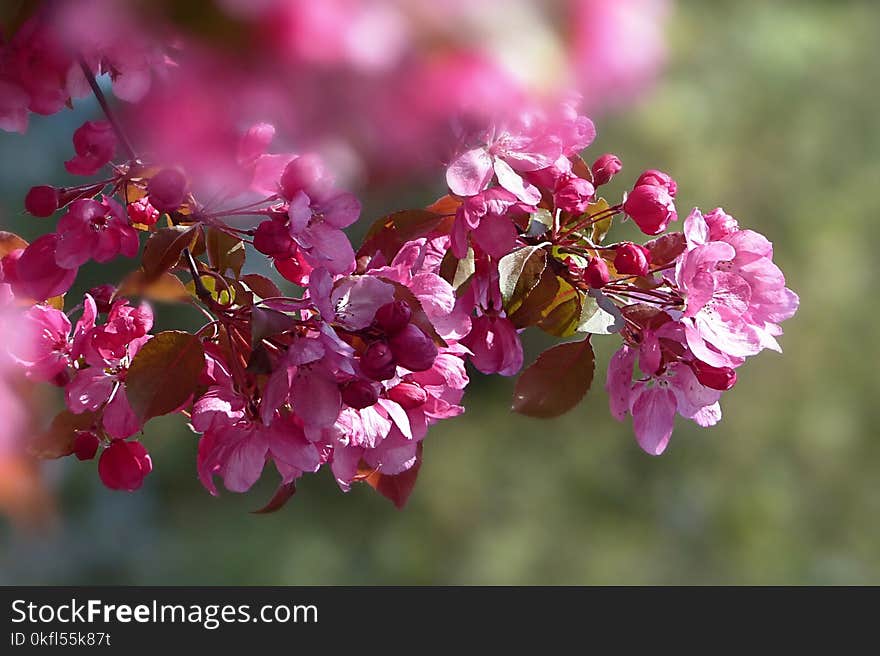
column 167, row 190
column 717, row 378
column 574, row 195
column 305, row 173
column 95, row 145
column 294, row 268
column 42, row 201
column 651, row 207
column 408, row 395
column 359, row 394
column 85, row 446
column 393, row 317
column 377, row 362
column 658, row 179
column 273, row 238
column 124, row 465
column 605, row 168
column 413, row 349
column 632, row 259
column 103, row 295
column 596, row 273
column 140, row 211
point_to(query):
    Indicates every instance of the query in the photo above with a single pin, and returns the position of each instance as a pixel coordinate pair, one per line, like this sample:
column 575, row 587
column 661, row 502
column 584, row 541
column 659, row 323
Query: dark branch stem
column 111, row 118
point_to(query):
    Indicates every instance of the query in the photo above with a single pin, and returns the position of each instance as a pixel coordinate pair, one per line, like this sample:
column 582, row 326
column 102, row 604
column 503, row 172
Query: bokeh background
column 767, row 109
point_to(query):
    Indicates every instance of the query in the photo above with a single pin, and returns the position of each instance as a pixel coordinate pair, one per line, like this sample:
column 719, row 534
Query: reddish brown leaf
column 226, row 253
column 282, row 495
column 556, row 382
column 9, row 242
column 166, row 288
column 164, row 373
column 261, row 285
column 666, row 248
column 396, row 488
column 57, row 441
column 163, row 249
column 389, row 233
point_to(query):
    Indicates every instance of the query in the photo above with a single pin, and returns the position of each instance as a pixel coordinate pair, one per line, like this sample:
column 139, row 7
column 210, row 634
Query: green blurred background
column 769, row 109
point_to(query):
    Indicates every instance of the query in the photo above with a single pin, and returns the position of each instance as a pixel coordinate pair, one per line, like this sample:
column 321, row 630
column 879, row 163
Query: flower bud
column 140, row 211
column 377, row 362
column 167, row 190
column 124, row 465
column 393, row 317
column 85, row 446
column 294, row 268
column 359, row 394
column 42, row 201
column 306, row 174
column 408, row 395
column 574, row 195
column 632, row 259
column 103, row 295
column 413, row 349
column 596, row 274
column 605, row 168
column 717, row 378
column 651, row 207
column 658, row 179
column 272, row 238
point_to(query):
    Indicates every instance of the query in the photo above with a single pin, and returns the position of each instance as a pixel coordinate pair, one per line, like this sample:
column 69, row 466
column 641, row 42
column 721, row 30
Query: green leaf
column 164, row 374
column 599, row 315
column 533, row 307
column 600, row 228
column 556, row 382
column 163, row 248
column 225, row 252
column 562, row 316
column 520, row 271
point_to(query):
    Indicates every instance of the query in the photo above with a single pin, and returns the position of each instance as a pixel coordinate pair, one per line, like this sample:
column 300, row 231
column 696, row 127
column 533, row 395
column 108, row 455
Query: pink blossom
column 735, row 295
column 95, row 145
column 46, row 348
column 495, row 345
column 93, row 230
column 38, row 276
column 486, row 218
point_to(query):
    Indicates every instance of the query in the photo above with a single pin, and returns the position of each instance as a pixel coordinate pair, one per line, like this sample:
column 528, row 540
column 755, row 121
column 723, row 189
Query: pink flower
column 124, row 465
column 38, row 276
column 495, row 346
column 93, row 230
column 45, row 349
column 735, row 296
column 95, row 145
column 141, row 212
column 487, row 219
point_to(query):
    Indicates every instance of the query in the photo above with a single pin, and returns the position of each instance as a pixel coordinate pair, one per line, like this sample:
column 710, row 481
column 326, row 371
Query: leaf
column 520, row 271
column 390, row 233
column 164, row 373
column 447, row 205
column 457, row 271
column 556, row 382
column 219, row 293
column 599, row 315
column 282, row 495
column 666, row 248
column 225, row 252
column 396, row 488
column 163, row 248
column 540, row 221
column 563, row 314
column 261, row 285
column 266, row 323
column 57, row 441
column 166, row 288
column 533, row 308
column 56, row 302
column 9, row 241
column 602, row 227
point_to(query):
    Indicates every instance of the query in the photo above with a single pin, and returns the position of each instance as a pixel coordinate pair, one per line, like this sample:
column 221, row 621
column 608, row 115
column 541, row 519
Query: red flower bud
column 408, row 395
column 605, row 168
column 124, row 465
column 632, row 259
column 359, row 394
column 85, row 446
column 272, row 238
column 103, row 295
column 377, row 362
column 413, row 349
column 717, row 378
column 167, row 190
column 651, row 207
column 658, row 179
column 393, row 317
column 140, row 211
column 294, row 268
column 574, row 195
column 42, row 201
column 596, row 274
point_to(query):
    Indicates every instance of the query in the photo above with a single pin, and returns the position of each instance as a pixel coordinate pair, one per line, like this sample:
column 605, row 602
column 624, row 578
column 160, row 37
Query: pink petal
column 119, row 419
column 514, row 183
column 470, row 172
column 315, row 398
column 89, row 390
column 618, row 382
column 653, row 412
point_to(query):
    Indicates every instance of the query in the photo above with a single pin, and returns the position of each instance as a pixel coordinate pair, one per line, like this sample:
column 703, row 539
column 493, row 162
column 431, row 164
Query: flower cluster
column 347, row 362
